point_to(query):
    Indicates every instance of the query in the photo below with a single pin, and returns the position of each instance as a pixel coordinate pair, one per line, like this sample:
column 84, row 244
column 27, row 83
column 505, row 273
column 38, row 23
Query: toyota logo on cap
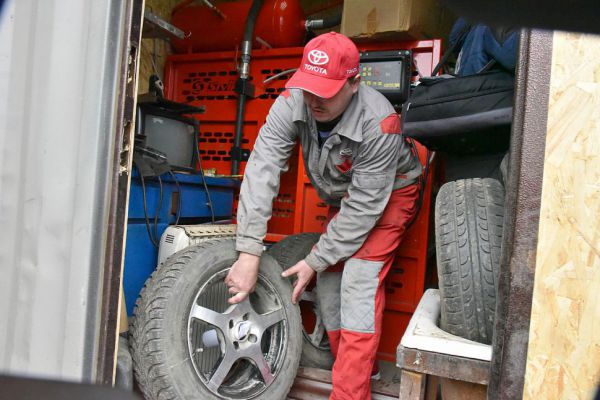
column 318, row 57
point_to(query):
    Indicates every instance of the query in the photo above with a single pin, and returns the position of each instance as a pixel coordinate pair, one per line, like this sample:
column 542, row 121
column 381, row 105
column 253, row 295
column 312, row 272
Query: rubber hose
column 244, row 75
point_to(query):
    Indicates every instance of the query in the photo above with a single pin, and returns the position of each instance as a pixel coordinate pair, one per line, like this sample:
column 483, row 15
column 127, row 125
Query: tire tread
column 150, row 308
column 468, row 216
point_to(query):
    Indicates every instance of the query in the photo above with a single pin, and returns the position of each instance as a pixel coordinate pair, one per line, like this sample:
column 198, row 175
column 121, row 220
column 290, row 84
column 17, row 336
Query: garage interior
column 543, row 342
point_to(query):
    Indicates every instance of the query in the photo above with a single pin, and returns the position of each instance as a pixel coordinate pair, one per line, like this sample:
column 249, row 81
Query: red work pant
column 352, row 298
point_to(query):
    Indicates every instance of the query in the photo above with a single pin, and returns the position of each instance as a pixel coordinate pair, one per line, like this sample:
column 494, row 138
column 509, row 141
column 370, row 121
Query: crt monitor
column 168, row 132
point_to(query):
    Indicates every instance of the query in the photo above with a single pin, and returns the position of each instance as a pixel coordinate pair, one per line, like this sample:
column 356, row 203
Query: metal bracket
column 240, row 154
column 244, row 87
column 157, row 28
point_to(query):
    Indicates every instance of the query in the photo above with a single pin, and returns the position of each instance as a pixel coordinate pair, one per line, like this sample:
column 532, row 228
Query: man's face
column 325, row 110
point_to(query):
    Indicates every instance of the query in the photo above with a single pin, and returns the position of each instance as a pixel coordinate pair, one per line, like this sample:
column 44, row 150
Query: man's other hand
column 304, row 274
column 242, row 276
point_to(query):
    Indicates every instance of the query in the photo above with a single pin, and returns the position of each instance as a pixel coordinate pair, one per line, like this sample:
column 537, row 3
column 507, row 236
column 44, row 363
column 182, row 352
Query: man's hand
column 242, row 276
column 304, row 274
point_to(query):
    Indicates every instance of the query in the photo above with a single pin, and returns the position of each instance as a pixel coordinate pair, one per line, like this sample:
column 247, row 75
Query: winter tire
column 188, row 343
column 468, row 232
column 315, row 347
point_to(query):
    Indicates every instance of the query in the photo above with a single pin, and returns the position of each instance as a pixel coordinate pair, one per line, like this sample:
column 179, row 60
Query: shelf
column 157, row 28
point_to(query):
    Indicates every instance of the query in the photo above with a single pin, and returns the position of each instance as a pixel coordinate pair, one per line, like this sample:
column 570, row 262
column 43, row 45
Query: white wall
column 58, row 79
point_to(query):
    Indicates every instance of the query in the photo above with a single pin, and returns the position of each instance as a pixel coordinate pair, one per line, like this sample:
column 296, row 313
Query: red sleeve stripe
column 391, row 124
column 285, row 93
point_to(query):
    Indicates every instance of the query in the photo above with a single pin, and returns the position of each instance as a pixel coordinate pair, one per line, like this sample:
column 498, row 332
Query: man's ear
column 355, row 83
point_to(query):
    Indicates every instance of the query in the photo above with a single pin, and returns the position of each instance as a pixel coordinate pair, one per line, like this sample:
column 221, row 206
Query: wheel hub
column 241, row 330
column 246, row 363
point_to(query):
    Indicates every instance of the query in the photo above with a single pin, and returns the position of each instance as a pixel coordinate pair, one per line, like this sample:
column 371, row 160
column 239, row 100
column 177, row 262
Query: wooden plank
column 563, row 359
column 432, row 387
column 443, row 365
column 459, row 390
column 412, row 385
column 315, row 384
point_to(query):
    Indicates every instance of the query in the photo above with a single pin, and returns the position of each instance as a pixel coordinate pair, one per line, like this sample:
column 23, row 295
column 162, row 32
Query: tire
column 257, row 352
column 315, row 345
column 468, row 232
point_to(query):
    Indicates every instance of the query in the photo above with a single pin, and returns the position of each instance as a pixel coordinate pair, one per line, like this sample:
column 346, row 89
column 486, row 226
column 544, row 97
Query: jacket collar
column 349, row 126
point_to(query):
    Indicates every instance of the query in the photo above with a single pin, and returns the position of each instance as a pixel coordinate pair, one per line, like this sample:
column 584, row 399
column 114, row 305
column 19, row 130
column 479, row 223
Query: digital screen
column 389, row 72
column 382, row 75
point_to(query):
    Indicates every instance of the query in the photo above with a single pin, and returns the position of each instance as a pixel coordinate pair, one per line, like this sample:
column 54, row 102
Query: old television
column 162, row 130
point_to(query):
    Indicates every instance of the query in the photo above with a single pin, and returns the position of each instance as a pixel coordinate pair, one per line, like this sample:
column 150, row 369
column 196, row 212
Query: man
column 359, row 163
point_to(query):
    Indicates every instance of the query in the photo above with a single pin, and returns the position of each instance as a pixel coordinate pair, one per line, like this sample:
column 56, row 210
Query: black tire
column 185, row 298
column 468, row 232
column 288, row 252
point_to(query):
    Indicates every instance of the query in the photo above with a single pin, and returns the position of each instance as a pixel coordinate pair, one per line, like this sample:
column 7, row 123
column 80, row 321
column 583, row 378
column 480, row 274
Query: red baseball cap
column 328, row 61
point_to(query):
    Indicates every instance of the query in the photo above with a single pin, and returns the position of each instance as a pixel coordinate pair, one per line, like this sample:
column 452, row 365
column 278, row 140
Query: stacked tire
column 469, row 217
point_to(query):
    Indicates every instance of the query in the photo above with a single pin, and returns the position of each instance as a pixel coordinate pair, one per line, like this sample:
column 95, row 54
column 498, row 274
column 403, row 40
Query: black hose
column 242, row 85
column 250, row 21
column 324, row 23
column 239, row 134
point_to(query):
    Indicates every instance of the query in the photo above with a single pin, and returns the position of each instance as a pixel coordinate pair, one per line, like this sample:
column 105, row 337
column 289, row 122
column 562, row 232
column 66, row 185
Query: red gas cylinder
column 280, row 23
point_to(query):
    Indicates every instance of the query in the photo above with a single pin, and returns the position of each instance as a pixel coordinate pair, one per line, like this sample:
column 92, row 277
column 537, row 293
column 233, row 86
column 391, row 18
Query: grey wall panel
column 58, row 59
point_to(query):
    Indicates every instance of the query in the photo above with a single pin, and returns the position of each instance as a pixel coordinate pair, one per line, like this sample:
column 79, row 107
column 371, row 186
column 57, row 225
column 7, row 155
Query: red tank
column 280, row 23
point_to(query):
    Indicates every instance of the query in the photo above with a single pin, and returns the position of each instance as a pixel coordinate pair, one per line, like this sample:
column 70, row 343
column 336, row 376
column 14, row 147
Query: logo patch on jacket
column 346, row 159
column 346, row 153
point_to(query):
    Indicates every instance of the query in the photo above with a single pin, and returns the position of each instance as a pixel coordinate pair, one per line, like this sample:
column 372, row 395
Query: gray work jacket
column 356, row 169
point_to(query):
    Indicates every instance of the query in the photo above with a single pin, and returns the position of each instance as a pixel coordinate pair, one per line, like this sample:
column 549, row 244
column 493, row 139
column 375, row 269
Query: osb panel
column 154, row 51
column 563, row 360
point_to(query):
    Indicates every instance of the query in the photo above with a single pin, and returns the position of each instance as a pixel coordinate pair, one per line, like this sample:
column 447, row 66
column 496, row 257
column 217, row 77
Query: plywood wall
column 563, row 359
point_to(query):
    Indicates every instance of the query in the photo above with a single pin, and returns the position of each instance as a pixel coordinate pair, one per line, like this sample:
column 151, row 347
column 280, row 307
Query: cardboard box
column 395, row 20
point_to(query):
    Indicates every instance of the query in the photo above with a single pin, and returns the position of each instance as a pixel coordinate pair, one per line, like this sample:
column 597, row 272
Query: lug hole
column 236, row 345
column 252, row 338
column 230, row 324
column 245, row 317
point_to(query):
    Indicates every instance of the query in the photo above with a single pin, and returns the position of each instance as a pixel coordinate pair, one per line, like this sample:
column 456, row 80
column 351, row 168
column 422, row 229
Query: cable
column 153, row 57
column 209, row 204
column 178, row 214
column 154, row 243
column 286, row 72
column 158, row 208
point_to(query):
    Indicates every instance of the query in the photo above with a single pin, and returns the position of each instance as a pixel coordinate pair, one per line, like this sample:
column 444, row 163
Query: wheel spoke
column 241, row 308
column 264, row 321
column 217, row 378
column 259, row 360
column 210, row 316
